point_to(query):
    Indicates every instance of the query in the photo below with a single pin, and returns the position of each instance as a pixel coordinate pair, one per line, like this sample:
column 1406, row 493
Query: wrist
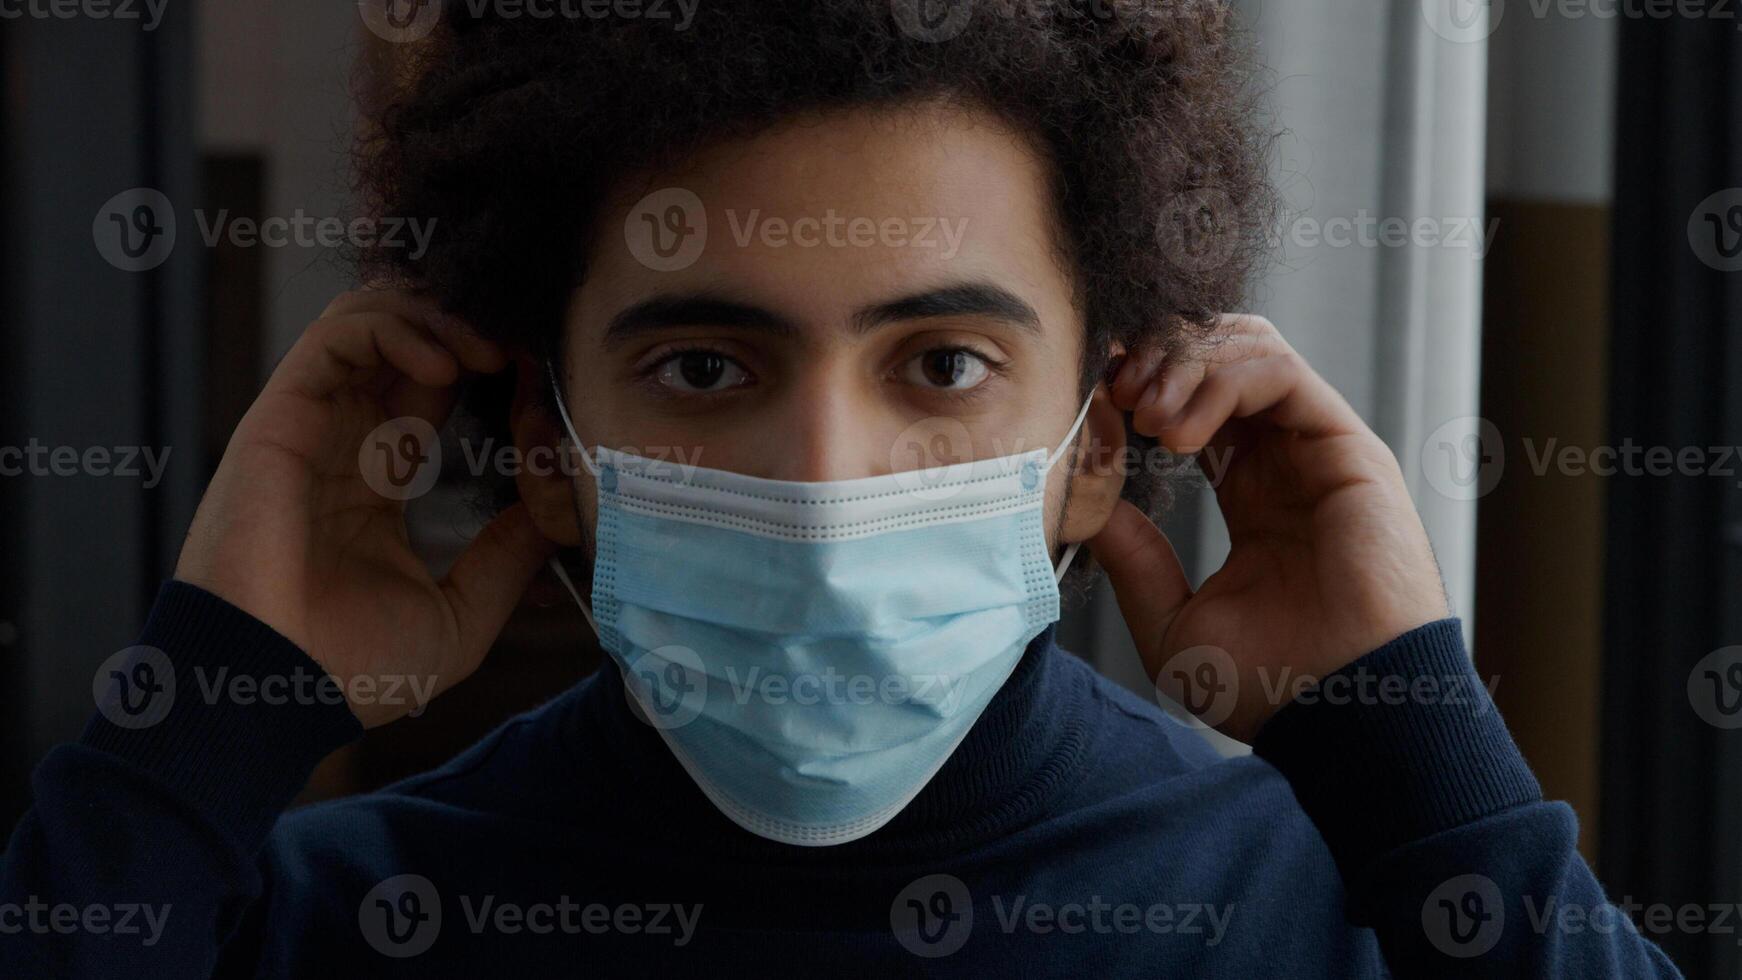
column 220, row 708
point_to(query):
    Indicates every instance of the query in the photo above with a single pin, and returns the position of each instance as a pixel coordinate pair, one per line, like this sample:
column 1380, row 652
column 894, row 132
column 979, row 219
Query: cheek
column 1058, row 485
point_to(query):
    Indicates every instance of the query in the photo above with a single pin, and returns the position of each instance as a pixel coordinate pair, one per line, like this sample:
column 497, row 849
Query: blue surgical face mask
column 812, row 653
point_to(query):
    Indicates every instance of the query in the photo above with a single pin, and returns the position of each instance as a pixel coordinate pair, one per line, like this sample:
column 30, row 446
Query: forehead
column 825, row 215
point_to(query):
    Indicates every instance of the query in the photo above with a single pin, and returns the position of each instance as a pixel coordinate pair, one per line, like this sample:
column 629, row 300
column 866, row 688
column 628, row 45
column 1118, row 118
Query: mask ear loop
column 555, row 565
column 563, row 576
column 1070, row 440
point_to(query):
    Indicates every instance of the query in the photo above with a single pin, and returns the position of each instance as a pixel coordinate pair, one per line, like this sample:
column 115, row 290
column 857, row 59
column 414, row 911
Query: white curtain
column 1382, row 114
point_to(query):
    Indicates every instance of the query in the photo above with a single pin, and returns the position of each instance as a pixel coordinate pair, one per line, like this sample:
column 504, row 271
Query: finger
column 475, row 352
column 1233, row 339
column 1294, row 397
column 343, row 351
column 1167, row 393
column 1135, row 376
column 1146, row 574
column 407, row 397
column 486, row 582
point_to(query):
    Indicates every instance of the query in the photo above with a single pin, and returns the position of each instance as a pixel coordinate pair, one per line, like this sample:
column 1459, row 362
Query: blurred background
column 1512, row 238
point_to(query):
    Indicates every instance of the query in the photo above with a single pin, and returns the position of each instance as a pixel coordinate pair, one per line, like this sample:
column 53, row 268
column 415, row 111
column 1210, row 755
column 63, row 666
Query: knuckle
column 1261, row 325
column 1292, row 361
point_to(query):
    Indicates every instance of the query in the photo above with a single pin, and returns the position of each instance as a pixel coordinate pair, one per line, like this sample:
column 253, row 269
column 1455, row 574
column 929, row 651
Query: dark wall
column 1672, row 774
column 97, row 356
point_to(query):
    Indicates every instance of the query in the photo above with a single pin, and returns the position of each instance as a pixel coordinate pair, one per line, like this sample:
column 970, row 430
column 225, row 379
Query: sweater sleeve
column 138, row 856
column 1439, row 829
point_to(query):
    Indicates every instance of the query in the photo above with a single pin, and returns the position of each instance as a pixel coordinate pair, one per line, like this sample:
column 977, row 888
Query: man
column 827, row 475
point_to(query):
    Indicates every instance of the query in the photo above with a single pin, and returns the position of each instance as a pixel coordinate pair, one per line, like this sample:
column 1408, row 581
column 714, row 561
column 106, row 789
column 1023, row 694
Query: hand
column 1329, row 559
column 290, row 532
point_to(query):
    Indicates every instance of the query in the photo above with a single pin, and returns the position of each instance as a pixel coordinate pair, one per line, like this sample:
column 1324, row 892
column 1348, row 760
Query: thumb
column 1147, row 577
column 487, row 580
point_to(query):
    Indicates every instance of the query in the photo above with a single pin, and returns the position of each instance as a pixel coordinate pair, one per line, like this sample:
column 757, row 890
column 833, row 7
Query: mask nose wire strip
column 569, row 425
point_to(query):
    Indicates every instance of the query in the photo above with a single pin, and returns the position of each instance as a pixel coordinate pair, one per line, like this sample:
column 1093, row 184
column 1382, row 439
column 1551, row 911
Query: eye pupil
column 945, row 367
column 702, row 369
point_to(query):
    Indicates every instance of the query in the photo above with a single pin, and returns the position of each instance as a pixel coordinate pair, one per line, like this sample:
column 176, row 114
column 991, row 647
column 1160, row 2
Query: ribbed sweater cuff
column 1399, row 745
column 218, row 743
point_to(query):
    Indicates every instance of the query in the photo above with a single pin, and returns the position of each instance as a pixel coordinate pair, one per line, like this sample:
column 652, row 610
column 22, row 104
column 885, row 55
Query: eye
column 948, row 368
column 700, row 371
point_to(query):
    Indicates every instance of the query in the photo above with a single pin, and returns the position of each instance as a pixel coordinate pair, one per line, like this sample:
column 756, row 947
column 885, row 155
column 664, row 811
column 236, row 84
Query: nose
column 827, row 429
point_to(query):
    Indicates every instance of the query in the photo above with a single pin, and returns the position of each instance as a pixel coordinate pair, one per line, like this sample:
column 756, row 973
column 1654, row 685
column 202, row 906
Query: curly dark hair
column 510, row 132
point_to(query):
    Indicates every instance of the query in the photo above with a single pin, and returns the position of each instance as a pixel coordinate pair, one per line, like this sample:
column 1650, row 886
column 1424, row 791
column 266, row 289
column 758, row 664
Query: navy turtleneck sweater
column 1077, row 831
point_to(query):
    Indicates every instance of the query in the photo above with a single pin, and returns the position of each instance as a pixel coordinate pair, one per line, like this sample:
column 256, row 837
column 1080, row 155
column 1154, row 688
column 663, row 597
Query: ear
column 546, row 485
column 1100, row 474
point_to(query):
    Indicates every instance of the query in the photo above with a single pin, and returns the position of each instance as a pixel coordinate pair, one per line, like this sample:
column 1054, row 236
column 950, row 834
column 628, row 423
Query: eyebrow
column 977, row 299
column 982, row 299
